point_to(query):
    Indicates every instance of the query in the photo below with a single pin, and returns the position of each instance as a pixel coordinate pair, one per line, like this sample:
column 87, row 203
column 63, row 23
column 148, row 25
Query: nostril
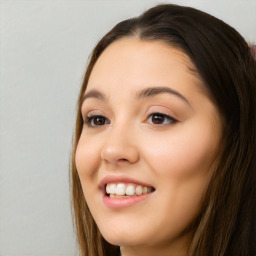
column 123, row 160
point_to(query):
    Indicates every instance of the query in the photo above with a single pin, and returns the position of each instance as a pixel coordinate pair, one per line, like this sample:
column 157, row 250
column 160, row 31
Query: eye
column 160, row 119
column 96, row 120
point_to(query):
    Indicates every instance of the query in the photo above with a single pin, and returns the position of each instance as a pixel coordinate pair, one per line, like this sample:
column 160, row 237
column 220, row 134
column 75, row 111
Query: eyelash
column 90, row 119
column 166, row 117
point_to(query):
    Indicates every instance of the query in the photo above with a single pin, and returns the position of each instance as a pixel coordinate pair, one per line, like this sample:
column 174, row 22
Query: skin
column 175, row 156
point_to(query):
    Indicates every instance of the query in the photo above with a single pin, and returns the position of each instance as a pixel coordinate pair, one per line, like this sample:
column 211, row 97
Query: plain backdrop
column 44, row 49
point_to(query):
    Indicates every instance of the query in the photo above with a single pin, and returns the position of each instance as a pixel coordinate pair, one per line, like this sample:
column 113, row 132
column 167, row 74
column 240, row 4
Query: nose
column 120, row 147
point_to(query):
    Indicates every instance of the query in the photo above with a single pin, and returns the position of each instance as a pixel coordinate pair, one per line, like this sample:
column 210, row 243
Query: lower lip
column 124, row 202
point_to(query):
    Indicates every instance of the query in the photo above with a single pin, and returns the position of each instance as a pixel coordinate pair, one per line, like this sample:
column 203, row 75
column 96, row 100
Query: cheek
column 86, row 157
column 181, row 162
column 183, row 153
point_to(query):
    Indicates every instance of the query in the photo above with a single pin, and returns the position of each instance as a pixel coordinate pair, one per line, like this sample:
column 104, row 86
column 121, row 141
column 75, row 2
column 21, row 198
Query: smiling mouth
column 123, row 190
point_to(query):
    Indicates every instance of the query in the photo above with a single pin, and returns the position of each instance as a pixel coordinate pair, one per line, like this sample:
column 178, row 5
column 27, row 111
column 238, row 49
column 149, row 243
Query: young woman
column 164, row 150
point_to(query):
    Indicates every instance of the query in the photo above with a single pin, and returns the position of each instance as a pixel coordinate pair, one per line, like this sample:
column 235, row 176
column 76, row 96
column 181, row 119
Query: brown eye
column 94, row 121
column 158, row 118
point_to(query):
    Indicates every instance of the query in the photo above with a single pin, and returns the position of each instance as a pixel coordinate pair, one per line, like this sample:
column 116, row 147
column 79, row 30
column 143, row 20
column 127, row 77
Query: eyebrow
column 94, row 94
column 153, row 91
column 145, row 93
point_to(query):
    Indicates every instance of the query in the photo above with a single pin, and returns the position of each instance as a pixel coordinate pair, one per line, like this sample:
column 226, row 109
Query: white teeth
column 145, row 190
column 139, row 190
column 130, row 190
column 112, row 189
column 120, row 190
column 107, row 188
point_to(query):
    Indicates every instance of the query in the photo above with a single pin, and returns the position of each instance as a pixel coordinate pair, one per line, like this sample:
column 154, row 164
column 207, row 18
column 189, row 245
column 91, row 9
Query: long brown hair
column 226, row 224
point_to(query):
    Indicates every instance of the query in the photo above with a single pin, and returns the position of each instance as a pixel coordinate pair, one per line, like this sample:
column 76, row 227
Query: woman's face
column 150, row 128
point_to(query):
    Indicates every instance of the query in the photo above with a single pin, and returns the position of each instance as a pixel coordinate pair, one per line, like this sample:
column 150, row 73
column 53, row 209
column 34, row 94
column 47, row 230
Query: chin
column 122, row 238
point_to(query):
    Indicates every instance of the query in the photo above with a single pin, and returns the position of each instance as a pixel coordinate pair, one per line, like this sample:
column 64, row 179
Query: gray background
column 44, row 47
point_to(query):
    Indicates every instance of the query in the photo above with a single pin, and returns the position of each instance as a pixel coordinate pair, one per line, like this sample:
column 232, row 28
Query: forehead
column 131, row 64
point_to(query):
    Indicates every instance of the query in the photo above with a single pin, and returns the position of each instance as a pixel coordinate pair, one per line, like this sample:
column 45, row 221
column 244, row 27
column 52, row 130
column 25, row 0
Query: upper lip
column 121, row 178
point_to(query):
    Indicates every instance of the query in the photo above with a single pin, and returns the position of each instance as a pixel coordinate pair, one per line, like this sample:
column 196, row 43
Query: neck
column 174, row 249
